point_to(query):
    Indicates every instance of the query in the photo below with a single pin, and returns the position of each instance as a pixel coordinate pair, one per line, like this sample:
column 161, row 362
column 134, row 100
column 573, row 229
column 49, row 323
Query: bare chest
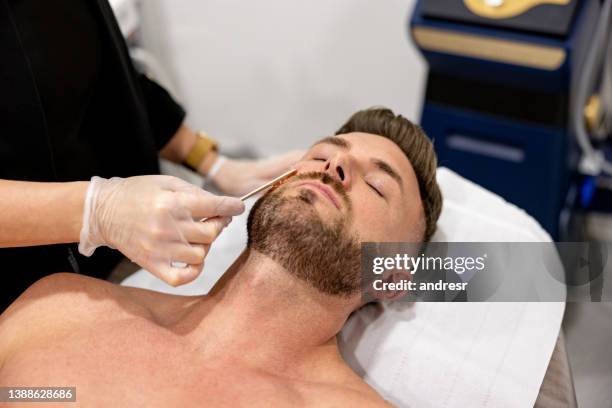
column 132, row 363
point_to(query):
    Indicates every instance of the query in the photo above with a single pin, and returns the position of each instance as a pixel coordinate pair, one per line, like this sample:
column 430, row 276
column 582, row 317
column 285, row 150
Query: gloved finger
column 189, row 274
column 203, row 204
column 204, row 232
column 177, row 276
column 182, row 252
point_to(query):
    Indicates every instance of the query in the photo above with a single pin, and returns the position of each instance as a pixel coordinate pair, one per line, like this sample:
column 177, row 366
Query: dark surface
column 72, row 107
column 512, row 102
column 546, row 18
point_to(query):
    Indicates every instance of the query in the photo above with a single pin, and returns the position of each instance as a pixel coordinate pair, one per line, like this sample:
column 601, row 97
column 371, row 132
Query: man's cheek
column 371, row 225
column 366, row 210
column 363, row 230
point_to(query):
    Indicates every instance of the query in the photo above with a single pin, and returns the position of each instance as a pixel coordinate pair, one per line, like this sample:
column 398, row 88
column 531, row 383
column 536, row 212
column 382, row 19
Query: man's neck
column 265, row 314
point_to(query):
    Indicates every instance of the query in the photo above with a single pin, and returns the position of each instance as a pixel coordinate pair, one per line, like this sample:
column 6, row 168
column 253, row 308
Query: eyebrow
column 336, row 141
column 380, row 164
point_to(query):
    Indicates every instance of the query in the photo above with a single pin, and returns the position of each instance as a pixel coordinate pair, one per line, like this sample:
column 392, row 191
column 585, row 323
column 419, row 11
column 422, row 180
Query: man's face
column 349, row 189
column 379, row 182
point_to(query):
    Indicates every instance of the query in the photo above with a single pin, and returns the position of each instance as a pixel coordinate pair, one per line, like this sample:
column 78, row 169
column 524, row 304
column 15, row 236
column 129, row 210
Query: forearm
column 177, row 149
column 40, row 213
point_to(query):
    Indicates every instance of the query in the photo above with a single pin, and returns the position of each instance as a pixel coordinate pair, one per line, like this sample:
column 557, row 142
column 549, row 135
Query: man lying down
column 266, row 334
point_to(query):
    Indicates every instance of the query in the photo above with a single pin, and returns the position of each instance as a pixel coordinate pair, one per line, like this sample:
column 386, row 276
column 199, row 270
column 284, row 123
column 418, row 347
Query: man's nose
column 339, row 167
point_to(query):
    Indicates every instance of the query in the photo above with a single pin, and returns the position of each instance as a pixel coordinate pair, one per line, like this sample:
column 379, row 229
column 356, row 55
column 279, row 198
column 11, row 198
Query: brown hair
column 416, row 146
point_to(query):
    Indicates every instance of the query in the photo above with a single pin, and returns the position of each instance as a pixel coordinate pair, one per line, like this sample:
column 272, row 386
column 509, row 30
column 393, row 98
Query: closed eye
column 375, row 189
column 319, row 159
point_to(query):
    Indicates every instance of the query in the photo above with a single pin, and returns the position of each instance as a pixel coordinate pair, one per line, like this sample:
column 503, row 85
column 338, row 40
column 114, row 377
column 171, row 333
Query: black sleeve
column 165, row 114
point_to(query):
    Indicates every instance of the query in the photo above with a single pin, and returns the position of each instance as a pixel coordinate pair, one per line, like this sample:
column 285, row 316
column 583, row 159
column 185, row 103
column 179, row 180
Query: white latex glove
column 154, row 220
column 238, row 177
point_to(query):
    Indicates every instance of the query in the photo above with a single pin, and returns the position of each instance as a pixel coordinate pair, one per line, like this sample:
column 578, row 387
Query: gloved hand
column 238, row 177
column 154, row 221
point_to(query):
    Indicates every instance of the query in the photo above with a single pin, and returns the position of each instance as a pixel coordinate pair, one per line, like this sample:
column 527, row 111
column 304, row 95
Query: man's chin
column 306, row 241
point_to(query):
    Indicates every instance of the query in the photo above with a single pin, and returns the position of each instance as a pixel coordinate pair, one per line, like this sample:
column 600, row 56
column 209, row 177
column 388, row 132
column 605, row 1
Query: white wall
column 281, row 73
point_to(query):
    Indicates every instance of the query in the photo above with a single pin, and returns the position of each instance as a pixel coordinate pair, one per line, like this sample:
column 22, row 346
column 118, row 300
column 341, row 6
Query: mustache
column 327, row 180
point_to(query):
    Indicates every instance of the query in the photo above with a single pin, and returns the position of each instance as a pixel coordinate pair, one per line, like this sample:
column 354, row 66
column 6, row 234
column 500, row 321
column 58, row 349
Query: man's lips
column 323, row 189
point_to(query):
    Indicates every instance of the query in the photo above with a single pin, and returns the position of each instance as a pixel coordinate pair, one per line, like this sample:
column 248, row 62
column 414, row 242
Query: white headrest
column 459, row 354
column 473, row 214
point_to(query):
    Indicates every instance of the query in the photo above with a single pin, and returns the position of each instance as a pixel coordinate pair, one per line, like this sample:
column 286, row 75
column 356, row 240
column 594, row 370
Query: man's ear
column 380, row 289
column 398, row 277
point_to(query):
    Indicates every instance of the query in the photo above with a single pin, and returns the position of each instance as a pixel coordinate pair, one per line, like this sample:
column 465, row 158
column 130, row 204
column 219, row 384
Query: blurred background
column 270, row 76
column 277, row 75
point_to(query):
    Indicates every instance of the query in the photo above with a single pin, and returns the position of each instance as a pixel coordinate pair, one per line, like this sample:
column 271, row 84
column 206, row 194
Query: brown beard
column 291, row 232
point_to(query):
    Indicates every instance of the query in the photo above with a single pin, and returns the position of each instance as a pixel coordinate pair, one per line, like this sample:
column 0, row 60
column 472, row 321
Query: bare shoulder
column 48, row 293
column 360, row 393
column 359, row 400
column 354, row 396
column 337, row 383
column 62, row 296
column 46, row 307
column 63, row 302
